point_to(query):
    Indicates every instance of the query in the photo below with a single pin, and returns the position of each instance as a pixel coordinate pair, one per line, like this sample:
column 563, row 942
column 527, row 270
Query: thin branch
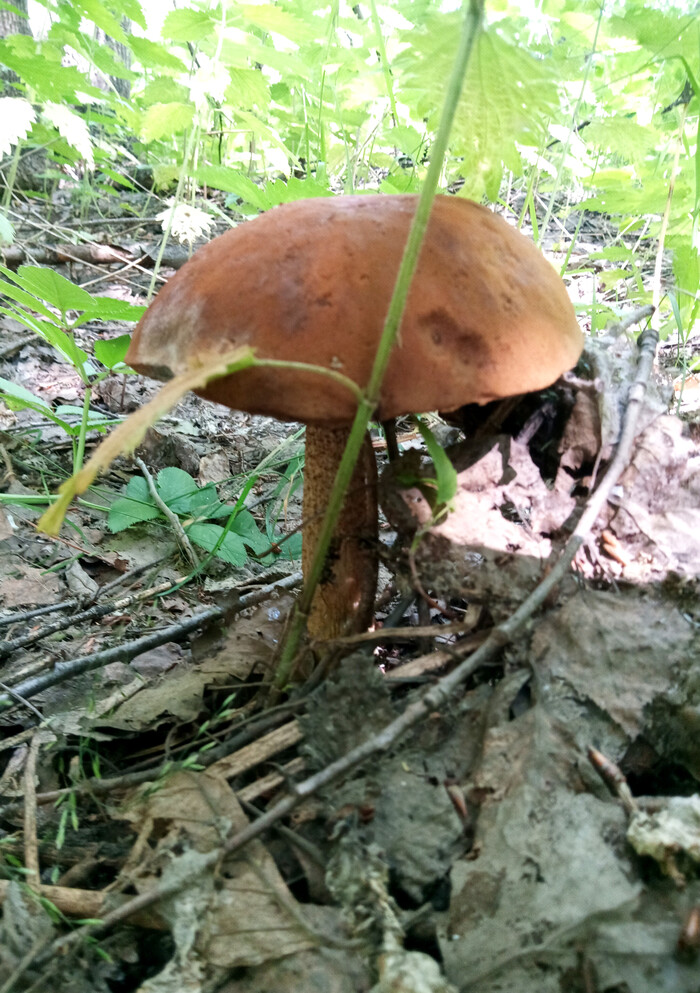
column 130, row 649
column 172, row 518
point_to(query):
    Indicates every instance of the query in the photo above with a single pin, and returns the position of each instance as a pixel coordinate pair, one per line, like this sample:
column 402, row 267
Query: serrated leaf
column 55, row 289
column 231, row 181
column 72, row 127
column 103, row 18
column 279, row 191
column 17, row 116
column 272, row 18
column 165, row 119
column 405, row 138
column 48, row 79
column 248, row 88
column 189, row 25
column 111, row 309
column 131, row 9
column 154, row 55
column 508, row 96
column 622, row 136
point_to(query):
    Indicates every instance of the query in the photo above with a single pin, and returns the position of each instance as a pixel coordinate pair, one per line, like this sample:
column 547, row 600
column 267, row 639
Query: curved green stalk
column 369, row 401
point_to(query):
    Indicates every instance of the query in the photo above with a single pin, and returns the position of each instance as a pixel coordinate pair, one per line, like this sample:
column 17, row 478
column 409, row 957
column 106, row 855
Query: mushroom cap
column 487, row 316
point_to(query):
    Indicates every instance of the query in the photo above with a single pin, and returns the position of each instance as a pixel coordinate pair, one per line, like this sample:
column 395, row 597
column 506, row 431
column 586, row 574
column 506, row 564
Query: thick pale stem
column 344, row 599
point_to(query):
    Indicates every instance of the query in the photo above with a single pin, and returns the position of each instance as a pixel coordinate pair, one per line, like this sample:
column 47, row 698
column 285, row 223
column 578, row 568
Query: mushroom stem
column 344, row 599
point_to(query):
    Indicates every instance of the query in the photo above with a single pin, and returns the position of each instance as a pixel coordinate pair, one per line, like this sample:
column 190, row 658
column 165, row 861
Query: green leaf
column 231, row 181
column 22, row 397
column 134, row 508
column 99, row 15
column 17, row 115
column 131, row 9
column 16, row 397
column 189, row 25
column 165, row 119
column 153, row 55
column 7, row 232
column 9, row 288
column 274, row 18
column 48, row 285
column 72, row 417
column 281, row 191
column 176, row 488
column 444, row 470
column 231, row 549
column 248, row 89
column 246, row 526
column 109, row 309
column 508, row 98
column 111, row 352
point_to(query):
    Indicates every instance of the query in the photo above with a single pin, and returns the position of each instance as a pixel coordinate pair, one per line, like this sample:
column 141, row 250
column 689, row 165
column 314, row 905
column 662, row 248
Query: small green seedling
column 53, row 308
column 198, row 510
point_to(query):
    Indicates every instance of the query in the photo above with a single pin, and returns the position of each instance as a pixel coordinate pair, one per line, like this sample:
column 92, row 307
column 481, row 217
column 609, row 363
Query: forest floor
column 485, row 848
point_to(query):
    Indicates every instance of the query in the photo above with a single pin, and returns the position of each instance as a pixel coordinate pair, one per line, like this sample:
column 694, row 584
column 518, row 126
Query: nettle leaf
column 231, row 181
column 231, row 550
column 189, row 25
column 47, row 77
column 135, row 507
column 508, row 97
column 72, row 127
column 17, row 116
column 154, row 55
column 99, row 15
column 248, row 88
column 275, row 19
column 48, row 285
column 164, row 89
column 165, row 119
column 621, row 136
column 280, row 191
column 131, row 9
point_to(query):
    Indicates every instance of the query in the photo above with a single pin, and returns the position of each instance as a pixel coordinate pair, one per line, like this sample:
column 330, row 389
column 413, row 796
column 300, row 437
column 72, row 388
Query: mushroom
column 486, row 317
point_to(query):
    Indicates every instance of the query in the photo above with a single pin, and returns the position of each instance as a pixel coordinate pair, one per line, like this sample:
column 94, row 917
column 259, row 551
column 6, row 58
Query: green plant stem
column 572, row 125
column 191, row 144
column 369, row 401
column 376, row 24
column 80, row 447
column 337, row 377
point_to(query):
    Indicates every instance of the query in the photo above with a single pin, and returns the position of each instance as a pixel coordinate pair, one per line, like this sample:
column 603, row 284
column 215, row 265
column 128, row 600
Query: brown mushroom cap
column 487, row 316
